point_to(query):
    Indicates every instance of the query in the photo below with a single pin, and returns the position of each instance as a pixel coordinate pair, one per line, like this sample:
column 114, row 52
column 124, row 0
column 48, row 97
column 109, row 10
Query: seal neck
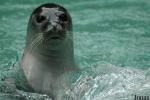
column 59, row 58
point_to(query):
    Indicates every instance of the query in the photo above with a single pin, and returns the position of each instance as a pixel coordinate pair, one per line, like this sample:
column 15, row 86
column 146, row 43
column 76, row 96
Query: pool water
column 111, row 42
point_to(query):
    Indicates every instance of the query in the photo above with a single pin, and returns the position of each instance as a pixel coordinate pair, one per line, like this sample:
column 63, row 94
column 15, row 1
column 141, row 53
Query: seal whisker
column 36, row 42
column 44, row 42
column 69, row 36
column 35, row 36
column 39, row 41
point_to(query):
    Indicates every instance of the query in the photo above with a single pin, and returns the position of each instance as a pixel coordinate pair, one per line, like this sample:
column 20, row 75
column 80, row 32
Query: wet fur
column 47, row 64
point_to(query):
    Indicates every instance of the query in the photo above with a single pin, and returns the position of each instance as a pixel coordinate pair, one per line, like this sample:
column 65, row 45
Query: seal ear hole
column 40, row 19
column 63, row 17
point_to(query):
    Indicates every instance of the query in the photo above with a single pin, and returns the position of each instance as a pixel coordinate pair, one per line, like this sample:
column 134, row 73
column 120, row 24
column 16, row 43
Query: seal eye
column 63, row 17
column 40, row 19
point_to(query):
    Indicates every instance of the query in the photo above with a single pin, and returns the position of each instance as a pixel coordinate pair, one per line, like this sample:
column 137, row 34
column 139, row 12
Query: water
column 112, row 47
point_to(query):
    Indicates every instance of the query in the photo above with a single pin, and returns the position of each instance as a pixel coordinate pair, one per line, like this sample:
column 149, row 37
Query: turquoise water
column 112, row 47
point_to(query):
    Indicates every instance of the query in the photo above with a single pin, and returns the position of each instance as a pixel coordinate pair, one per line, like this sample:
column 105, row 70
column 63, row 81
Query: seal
column 49, row 53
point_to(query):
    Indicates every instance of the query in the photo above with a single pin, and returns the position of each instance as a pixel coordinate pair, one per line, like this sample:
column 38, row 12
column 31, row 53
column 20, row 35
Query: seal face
column 52, row 20
column 48, row 54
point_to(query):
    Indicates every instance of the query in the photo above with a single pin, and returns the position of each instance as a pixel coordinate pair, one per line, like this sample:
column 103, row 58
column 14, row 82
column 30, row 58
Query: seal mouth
column 55, row 37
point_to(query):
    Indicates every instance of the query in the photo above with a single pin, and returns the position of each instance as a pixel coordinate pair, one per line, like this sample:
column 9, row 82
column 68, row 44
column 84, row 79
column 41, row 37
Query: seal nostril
column 40, row 19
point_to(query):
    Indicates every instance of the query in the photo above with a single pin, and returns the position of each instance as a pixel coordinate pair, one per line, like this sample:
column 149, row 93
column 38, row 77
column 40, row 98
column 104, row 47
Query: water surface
column 111, row 41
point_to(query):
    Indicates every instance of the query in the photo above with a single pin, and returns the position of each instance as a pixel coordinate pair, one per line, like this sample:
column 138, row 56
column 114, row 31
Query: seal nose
column 53, row 29
column 54, row 26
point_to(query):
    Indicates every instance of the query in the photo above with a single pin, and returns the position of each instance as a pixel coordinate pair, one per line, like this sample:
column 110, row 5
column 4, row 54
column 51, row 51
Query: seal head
column 51, row 21
column 49, row 52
